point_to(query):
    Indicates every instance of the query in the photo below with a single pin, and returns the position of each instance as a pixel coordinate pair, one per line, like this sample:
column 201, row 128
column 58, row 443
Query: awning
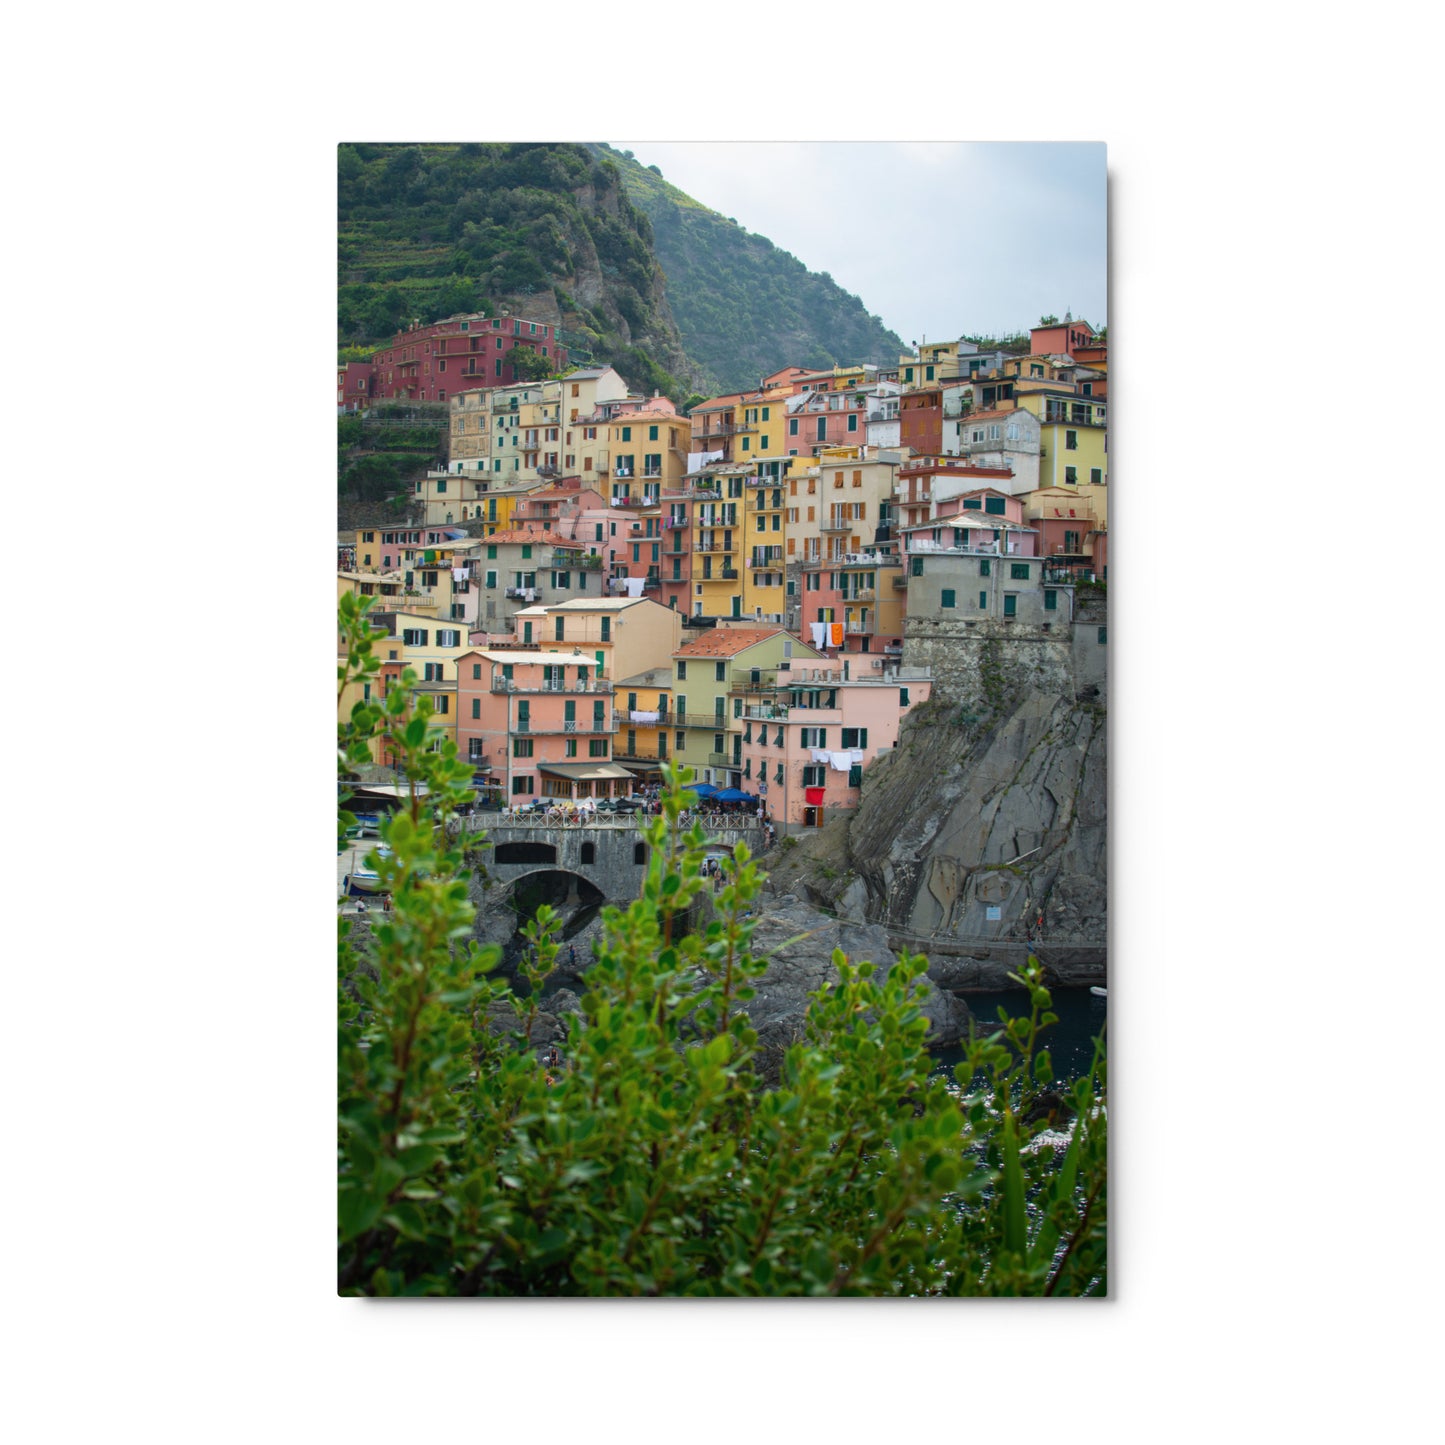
column 584, row 772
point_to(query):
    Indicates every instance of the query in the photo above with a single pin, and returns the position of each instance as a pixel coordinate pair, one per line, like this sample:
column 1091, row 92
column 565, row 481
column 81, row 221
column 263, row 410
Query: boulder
column 797, row 941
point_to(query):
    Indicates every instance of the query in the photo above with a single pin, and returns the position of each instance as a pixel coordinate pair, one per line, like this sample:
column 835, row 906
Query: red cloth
column 813, row 795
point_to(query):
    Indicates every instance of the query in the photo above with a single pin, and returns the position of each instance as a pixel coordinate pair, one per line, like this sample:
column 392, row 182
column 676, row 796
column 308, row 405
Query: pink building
column 540, row 723
column 817, row 419
column 813, row 735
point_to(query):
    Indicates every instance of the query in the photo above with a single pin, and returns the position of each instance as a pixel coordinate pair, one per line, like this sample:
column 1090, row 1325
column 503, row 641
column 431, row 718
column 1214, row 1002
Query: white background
column 1274, row 988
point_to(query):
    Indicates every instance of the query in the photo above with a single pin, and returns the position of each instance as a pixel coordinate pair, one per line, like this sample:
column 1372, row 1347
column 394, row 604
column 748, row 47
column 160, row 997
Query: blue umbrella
column 733, row 795
column 703, row 790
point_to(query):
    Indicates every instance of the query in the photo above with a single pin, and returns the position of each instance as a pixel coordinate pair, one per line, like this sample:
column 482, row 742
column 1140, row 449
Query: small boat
column 1102, row 992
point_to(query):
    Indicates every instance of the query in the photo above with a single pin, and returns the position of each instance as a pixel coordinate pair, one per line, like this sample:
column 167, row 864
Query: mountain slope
column 424, row 231
column 744, row 307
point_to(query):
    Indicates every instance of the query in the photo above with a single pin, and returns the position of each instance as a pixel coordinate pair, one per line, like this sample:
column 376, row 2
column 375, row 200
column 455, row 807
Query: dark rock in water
column 798, row 942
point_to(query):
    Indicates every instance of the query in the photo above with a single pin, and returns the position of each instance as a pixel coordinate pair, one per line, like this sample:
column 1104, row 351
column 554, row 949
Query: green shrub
column 657, row 1163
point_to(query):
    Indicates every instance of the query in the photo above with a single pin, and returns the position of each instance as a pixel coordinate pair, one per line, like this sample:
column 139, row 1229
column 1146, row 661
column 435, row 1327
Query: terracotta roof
column 726, row 641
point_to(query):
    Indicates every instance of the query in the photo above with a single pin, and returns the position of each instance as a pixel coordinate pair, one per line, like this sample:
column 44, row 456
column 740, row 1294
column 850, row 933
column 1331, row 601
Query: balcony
column 672, row 524
column 711, row 721
column 765, row 714
column 723, row 760
column 506, row 684
column 534, row 728
column 730, row 574
column 901, row 582
column 525, row 594
column 864, row 594
column 836, row 524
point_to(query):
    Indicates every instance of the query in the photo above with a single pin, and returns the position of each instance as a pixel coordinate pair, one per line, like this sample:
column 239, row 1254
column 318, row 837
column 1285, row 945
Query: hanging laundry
column 820, row 755
column 840, row 762
column 856, row 754
column 820, row 634
column 459, row 574
column 633, row 586
column 837, row 634
column 645, row 717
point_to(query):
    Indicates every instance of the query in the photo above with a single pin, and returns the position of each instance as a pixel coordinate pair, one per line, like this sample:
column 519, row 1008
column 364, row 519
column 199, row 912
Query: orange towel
column 837, row 634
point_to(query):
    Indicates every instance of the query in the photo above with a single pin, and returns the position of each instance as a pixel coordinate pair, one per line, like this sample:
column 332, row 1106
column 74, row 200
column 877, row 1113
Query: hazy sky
column 936, row 238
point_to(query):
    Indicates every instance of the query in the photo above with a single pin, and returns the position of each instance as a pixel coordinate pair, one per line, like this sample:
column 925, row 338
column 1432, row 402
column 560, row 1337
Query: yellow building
column 624, row 635
column 1073, row 439
column 643, row 710
column 717, row 426
column 708, row 723
column 717, row 545
column 935, row 361
column 647, row 452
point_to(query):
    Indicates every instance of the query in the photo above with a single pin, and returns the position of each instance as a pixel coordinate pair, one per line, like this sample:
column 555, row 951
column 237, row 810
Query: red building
column 462, row 353
column 1064, row 338
column 920, row 420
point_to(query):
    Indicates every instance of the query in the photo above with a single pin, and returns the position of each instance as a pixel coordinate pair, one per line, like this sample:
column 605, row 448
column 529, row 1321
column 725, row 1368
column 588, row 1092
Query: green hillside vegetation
column 425, row 231
column 743, row 306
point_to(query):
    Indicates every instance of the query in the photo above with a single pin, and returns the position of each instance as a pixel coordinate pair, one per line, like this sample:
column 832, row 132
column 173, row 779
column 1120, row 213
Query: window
column 597, row 748
column 491, row 553
column 1096, row 476
column 559, row 629
column 521, row 747
column 570, row 747
column 681, row 740
column 815, row 776
column 983, row 601
column 1071, row 476
column 414, row 636
column 814, row 738
column 521, row 785
column 589, row 853
column 915, row 566
column 1019, row 571
column 639, row 853
column 1071, row 441
column 855, row 738
column 449, row 637
column 948, row 597
column 994, row 505
column 985, row 567
column 627, row 433
column 607, row 629
column 1103, row 636
column 720, row 671
column 1051, row 600
column 476, row 669
column 491, row 579
column 1010, row 604
column 902, row 697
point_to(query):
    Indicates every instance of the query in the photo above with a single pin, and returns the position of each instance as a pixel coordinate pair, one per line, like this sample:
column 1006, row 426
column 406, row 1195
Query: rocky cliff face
column 968, row 816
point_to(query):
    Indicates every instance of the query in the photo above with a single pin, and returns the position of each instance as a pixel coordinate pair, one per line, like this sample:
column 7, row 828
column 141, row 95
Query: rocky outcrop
column 798, row 942
column 971, row 831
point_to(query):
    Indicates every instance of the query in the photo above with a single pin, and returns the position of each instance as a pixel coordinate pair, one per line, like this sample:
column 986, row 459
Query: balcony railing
column 540, row 729
column 671, row 524
column 592, row 685
column 711, row 721
column 722, row 760
column 836, row 524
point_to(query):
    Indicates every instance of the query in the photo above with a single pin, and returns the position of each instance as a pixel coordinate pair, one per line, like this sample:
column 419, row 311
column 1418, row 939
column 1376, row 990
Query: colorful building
column 708, row 717
column 1073, row 439
column 540, row 724
column 431, row 363
column 807, row 730
column 644, row 713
